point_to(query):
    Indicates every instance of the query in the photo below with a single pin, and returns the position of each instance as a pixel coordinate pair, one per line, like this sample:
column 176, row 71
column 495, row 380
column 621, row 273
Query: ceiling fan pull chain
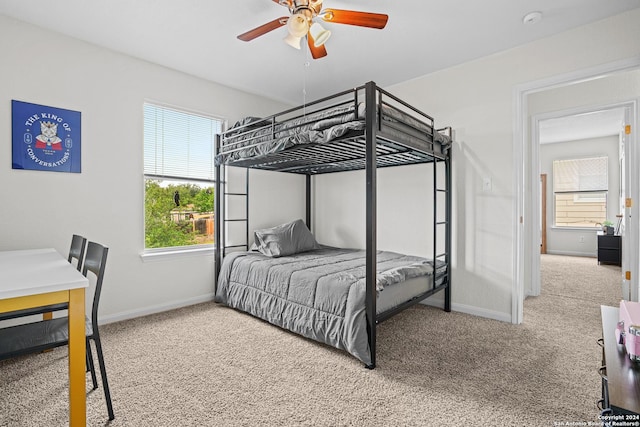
column 304, row 83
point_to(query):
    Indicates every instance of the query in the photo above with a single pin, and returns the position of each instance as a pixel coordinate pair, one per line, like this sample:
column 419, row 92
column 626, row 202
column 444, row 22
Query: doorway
column 597, row 84
column 585, row 145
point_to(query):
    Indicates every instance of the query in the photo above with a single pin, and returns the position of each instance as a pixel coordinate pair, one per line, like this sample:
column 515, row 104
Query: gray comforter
column 319, row 294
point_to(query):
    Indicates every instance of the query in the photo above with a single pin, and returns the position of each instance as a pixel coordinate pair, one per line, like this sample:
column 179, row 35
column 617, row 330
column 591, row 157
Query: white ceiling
column 199, row 37
column 582, row 126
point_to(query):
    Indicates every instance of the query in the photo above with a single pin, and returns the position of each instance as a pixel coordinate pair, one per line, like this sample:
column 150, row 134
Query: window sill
column 167, row 254
column 583, row 229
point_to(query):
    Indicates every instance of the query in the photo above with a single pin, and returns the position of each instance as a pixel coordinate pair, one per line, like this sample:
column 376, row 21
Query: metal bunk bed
column 391, row 133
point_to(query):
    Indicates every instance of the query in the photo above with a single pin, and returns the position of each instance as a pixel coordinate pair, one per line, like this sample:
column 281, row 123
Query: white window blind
column 578, row 175
column 179, row 144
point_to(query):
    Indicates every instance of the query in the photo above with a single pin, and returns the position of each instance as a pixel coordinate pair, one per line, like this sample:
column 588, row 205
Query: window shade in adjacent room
column 580, row 175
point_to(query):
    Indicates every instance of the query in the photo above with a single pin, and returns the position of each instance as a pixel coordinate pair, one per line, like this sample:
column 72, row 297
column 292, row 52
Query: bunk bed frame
column 380, row 143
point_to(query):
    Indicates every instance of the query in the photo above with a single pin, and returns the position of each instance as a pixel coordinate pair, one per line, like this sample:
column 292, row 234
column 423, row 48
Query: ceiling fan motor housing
column 309, row 8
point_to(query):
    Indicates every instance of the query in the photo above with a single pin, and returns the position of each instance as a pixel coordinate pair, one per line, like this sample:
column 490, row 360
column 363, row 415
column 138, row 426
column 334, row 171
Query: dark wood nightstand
column 620, row 376
column 609, row 249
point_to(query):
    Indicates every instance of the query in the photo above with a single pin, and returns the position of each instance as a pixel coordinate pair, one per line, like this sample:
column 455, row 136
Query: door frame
column 631, row 236
column 526, row 221
column 627, row 106
column 543, row 213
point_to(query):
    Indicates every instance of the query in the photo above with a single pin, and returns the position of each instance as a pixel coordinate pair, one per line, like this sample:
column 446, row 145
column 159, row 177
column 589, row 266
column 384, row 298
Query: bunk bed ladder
column 438, row 223
column 244, row 219
column 221, row 204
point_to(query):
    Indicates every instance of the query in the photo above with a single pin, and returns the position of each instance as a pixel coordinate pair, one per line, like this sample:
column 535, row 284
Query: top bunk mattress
column 256, row 138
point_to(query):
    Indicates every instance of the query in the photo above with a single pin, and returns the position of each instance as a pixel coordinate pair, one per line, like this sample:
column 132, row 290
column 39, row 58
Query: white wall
column 575, row 241
column 105, row 202
column 477, row 100
column 405, row 201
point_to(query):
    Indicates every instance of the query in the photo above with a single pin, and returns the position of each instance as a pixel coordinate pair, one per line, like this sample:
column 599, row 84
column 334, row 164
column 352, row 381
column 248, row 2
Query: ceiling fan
column 303, row 22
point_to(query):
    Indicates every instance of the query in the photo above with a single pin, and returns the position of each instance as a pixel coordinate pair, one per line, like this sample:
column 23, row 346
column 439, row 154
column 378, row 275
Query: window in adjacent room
column 580, row 189
column 179, row 178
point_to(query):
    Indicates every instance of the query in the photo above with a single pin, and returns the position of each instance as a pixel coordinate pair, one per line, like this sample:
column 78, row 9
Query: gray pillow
column 285, row 239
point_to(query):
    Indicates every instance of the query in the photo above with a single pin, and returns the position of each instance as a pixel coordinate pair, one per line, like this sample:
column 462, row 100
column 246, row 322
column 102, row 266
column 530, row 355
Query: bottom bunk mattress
column 321, row 294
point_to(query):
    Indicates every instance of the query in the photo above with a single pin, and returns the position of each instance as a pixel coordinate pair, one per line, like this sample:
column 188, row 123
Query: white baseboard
column 569, row 253
column 124, row 315
column 530, row 293
column 474, row 311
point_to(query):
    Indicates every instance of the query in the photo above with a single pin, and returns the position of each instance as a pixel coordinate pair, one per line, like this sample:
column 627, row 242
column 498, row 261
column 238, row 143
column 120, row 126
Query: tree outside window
column 179, row 177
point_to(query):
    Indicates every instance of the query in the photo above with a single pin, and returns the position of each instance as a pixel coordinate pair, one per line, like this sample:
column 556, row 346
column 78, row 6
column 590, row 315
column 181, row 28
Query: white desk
column 38, row 277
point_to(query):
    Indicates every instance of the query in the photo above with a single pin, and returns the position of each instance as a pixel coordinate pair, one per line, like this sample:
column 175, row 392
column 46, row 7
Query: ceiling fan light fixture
column 293, row 41
column 298, row 25
column 319, row 34
column 301, row 24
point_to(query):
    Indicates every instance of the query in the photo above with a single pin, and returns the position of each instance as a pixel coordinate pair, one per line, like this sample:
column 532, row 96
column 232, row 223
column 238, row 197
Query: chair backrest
column 95, row 262
column 76, row 251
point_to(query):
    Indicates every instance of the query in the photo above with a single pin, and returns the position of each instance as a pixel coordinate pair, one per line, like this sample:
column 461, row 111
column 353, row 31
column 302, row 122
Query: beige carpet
column 207, row 365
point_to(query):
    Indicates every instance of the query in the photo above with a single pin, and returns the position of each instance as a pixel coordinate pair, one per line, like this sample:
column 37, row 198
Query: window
column 580, row 192
column 179, row 177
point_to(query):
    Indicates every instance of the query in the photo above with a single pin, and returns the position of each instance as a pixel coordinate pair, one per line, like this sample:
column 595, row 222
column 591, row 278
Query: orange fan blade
column 351, row 17
column 263, row 29
column 316, row 52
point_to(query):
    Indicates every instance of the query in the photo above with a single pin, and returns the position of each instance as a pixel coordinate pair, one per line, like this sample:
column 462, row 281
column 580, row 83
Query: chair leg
column 103, row 374
column 90, row 366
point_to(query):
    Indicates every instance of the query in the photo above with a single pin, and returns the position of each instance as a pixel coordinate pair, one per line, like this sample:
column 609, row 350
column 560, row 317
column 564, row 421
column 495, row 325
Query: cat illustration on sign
column 48, row 137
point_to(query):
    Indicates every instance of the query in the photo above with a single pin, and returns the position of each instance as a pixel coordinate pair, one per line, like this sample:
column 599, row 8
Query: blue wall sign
column 45, row 138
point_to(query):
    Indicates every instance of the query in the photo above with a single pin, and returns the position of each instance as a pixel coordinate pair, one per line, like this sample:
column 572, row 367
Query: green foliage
column 161, row 230
column 203, row 200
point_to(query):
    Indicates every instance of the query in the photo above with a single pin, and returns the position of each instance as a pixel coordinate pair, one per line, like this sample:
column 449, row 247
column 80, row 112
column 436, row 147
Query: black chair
column 76, row 251
column 48, row 334
column 76, row 254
